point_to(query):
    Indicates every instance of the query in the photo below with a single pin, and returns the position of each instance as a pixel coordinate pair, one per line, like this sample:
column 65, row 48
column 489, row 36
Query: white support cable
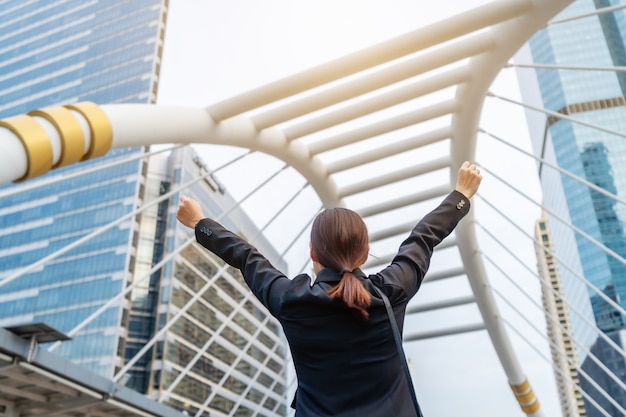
column 584, row 393
column 302, row 230
column 33, row 185
column 123, row 293
column 558, row 115
column 109, row 226
column 582, row 279
column 259, row 405
column 548, row 361
column 235, row 304
column 584, row 234
column 214, row 392
column 235, row 310
column 599, row 363
column 169, row 324
column 154, row 268
column 570, row 307
column 256, row 189
column 271, row 389
column 307, row 260
column 566, row 67
column 596, row 12
column 278, row 212
column 448, row 242
column 164, row 395
column 559, row 169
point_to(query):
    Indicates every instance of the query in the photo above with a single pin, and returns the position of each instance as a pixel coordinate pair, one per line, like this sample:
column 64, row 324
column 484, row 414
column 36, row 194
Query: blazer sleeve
column 410, row 264
column 265, row 281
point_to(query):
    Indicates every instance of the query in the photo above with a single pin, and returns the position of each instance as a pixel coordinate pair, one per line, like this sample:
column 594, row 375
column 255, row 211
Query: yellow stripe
column 532, row 408
column 35, row 141
column 526, row 398
column 70, row 132
column 522, row 388
column 99, row 127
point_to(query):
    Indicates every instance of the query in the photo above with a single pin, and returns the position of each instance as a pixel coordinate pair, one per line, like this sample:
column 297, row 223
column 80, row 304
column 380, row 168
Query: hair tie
column 343, row 271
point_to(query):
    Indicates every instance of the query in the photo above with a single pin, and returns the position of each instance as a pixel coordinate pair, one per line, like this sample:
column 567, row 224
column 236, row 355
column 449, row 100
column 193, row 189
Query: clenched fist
column 468, row 179
column 189, row 212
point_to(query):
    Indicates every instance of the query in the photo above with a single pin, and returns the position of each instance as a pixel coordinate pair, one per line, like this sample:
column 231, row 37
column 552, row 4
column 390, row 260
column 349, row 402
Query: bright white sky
column 216, row 49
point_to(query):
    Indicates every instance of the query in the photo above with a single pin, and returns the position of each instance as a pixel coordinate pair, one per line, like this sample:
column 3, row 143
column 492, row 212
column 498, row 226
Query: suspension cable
column 110, row 225
column 596, row 12
column 582, row 279
column 556, row 348
column 565, row 67
column 606, row 370
column 170, row 323
column 557, row 115
column 583, row 393
column 559, row 169
column 584, row 234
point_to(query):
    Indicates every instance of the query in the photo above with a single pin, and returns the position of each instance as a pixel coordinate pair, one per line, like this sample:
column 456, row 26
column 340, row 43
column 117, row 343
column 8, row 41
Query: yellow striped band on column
column 35, row 141
column 70, row 132
column 526, row 397
column 99, row 127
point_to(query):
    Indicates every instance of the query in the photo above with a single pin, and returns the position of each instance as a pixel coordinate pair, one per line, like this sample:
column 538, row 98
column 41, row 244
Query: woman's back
column 346, row 365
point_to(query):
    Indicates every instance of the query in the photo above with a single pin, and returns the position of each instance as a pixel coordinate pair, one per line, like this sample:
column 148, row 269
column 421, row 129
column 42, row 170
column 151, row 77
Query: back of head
column 339, row 240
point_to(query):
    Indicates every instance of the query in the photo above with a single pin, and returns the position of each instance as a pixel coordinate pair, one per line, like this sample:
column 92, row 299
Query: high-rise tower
column 562, row 85
column 62, row 52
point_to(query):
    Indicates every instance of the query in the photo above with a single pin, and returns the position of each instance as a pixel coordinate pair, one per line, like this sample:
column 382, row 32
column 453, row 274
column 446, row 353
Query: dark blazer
column 346, row 366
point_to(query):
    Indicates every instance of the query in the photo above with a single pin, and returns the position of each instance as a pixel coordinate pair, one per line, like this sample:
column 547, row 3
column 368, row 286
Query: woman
column 338, row 331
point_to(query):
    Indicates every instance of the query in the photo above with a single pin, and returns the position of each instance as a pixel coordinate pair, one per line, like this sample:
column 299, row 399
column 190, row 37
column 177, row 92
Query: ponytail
column 352, row 292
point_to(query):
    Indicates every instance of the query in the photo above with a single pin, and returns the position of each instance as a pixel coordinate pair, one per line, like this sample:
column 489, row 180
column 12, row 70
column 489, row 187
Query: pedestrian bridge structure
column 381, row 131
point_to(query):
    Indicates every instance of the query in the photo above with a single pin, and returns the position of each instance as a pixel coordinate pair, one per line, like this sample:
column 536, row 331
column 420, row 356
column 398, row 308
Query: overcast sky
column 216, row 49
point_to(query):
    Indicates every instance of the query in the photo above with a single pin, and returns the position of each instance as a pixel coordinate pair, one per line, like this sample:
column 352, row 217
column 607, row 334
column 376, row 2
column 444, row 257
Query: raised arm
column 410, row 264
column 258, row 272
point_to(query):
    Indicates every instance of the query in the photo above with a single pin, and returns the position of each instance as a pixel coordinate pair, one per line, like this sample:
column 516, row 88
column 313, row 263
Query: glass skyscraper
column 597, row 98
column 214, row 347
column 62, row 52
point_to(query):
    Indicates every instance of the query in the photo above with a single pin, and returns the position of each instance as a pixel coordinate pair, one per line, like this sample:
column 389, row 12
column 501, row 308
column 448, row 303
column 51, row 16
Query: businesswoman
column 338, row 331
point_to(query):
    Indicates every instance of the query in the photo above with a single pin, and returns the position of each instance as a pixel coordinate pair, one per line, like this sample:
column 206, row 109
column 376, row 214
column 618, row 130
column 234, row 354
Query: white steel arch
column 294, row 119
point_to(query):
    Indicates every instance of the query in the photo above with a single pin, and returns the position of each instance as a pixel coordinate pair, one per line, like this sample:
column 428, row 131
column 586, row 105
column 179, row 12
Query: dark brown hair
column 339, row 241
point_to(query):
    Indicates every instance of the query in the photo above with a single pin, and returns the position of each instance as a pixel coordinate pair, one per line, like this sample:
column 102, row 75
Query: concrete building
column 562, row 345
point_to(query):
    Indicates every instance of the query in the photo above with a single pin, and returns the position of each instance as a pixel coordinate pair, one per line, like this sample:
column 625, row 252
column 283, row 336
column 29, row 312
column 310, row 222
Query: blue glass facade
column 55, row 52
column 598, row 98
